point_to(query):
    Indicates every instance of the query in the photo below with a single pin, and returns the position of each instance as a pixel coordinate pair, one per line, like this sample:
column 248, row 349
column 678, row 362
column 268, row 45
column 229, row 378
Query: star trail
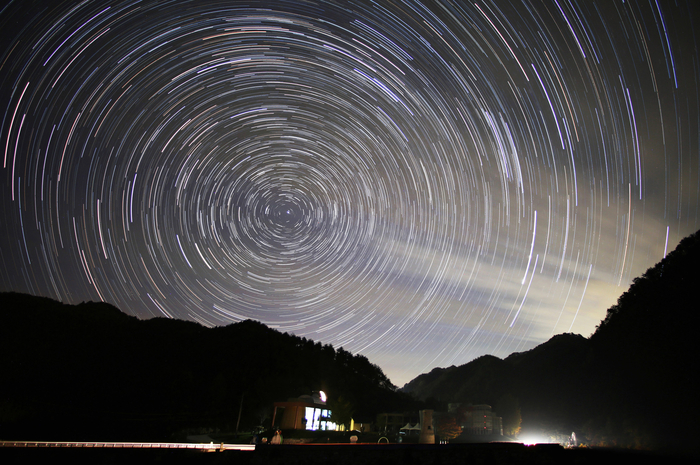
column 419, row 182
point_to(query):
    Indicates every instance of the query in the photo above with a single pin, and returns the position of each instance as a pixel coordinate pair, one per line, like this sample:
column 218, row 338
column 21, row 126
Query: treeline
column 91, row 372
column 632, row 384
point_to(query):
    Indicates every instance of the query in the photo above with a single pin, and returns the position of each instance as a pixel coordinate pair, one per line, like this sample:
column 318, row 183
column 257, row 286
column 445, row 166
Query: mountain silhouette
column 91, row 372
column 632, row 383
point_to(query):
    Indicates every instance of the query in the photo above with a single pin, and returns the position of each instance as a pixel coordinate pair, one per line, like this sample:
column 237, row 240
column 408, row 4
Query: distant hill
column 89, row 371
column 633, row 383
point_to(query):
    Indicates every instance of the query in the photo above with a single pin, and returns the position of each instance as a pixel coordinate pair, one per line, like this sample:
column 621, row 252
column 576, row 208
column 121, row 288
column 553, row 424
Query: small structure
column 408, row 429
column 403, row 423
column 393, row 423
column 363, row 425
column 427, row 432
column 304, row 412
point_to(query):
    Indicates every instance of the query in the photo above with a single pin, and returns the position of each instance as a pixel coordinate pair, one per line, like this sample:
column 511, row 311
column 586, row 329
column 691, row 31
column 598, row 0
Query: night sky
column 419, row 182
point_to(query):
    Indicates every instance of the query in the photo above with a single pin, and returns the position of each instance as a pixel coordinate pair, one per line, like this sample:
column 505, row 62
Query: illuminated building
column 304, row 412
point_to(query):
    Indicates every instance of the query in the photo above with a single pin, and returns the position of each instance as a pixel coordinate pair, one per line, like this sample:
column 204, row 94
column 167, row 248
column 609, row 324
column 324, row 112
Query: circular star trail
column 422, row 183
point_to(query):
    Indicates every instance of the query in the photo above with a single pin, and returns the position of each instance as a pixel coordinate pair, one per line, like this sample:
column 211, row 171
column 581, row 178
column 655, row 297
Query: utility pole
column 240, row 409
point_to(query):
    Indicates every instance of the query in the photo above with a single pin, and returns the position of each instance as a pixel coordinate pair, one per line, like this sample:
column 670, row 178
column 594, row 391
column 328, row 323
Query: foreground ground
column 341, row 454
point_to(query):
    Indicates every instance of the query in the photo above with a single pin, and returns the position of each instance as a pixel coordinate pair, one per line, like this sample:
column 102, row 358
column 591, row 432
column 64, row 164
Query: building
column 477, row 420
column 304, row 412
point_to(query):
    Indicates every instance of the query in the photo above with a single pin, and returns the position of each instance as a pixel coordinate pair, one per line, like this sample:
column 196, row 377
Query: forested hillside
column 92, row 372
column 630, row 384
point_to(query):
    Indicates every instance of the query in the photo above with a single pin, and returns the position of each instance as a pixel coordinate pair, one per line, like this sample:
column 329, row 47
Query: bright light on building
column 318, row 419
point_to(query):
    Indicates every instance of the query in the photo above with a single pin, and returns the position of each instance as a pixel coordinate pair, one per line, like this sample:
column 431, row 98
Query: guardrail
column 130, row 445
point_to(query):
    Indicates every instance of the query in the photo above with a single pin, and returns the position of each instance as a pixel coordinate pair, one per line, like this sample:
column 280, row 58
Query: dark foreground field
column 358, row 454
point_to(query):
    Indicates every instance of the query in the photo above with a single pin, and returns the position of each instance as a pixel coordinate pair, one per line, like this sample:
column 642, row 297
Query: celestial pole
column 419, row 182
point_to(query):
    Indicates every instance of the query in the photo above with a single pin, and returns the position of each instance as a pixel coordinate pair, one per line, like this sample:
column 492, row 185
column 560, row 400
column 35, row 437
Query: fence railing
column 130, row 445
